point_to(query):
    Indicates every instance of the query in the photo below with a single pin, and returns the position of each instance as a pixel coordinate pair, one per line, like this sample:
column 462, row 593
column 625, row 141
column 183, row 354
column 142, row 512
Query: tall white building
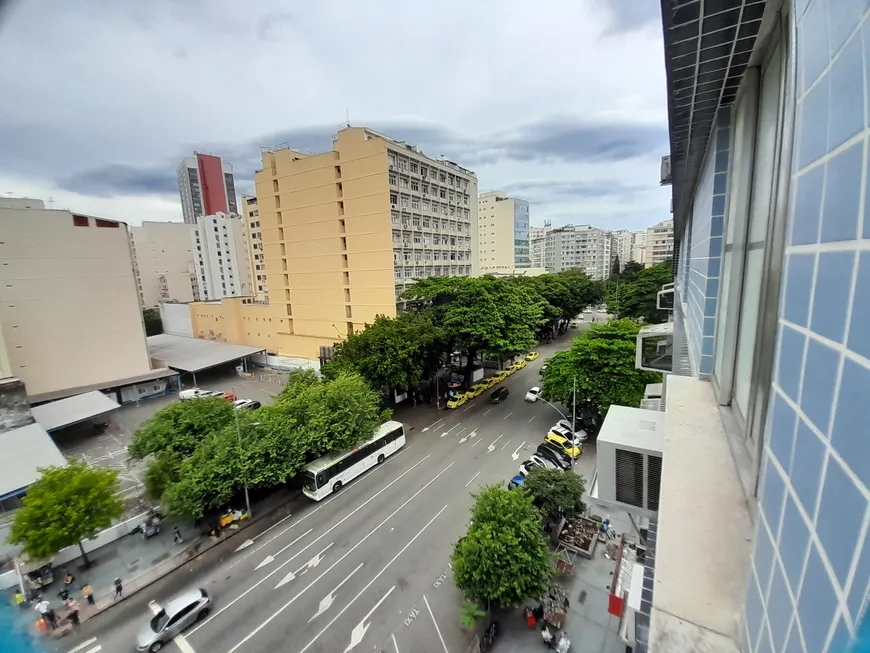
column 638, row 249
column 222, row 261
column 502, row 234
column 659, row 243
column 251, row 216
column 580, row 247
column 537, row 238
column 628, row 246
column 163, row 262
column 206, row 186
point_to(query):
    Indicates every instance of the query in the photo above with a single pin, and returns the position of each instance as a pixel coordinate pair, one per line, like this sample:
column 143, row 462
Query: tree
column 396, row 352
column 65, row 506
column 153, row 321
column 615, row 268
column 504, row 558
column 638, row 298
column 556, row 493
column 602, row 360
column 631, row 270
column 181, row 427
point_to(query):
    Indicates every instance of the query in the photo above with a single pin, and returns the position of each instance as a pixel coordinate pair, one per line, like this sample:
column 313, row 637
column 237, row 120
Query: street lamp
column 239, row 436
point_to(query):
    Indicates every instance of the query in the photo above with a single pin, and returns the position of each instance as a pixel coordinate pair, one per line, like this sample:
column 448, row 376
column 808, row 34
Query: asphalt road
column 366, row 569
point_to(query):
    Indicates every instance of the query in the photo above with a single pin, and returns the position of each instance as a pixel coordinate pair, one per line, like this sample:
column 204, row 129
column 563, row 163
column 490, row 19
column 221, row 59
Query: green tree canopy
column 397, row 352
column 602, row 360
column 504, row 558
column 637, row 298
column 153, row 322
column 556, row 493
column 65, row 506
column 179, row 428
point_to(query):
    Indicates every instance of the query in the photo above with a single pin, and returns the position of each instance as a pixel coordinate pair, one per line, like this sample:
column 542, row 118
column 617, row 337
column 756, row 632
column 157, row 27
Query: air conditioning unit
column 665, row 298
column 655, row 348
column 628, row 474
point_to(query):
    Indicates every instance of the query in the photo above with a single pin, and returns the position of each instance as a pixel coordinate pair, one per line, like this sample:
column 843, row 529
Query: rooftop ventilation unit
column 654, row 352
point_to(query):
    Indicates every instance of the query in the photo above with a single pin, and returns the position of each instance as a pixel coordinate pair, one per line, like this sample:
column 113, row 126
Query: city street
column 367, row 568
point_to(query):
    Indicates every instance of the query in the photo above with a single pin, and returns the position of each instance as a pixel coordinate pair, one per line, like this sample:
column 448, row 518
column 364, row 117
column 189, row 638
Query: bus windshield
column 309, row 482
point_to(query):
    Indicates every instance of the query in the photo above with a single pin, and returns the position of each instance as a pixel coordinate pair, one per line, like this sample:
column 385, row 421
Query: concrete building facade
column 537, row 241
column 163, row 261
column 628, row 246
column 69, row 306
column 206, row 186
column 659, row 243
column 578, row 247
column 222, row 257
column 251, row 216
column 503, row 234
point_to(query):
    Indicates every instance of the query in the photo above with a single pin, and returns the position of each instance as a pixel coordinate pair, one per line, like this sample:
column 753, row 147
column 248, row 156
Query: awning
column 153, row 375
column 72, row 410
column 22, row 451
column 192, row 354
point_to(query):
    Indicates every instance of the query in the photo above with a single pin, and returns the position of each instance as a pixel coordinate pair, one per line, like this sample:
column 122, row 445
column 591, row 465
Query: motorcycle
column 489, row 636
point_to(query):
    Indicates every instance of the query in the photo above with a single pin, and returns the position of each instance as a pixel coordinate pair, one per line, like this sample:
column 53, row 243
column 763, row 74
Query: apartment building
column 163, row 262
column 761, row 541
column 502, row 234
column 254, row 233
column 580, row 247
column 207, row 186
column 69, row 307
column 659, row 243
column 628, row 246
column 222, row 262
column 537, row 241
column 344, row 233
column 638, row 248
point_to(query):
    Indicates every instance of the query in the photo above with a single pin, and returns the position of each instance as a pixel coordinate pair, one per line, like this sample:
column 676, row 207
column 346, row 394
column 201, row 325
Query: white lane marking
column 395, row 644
column 250, row 541
column 470, row 435
column 327, row 502
column 516, row 454
column 476, row 442
column 473, row 433
column 491, row 447
column 504, row 446
column 332, row 566
column 271, row 558
column 508, row 415
column 310, row 544
column 311, row 564
column 96, row 649
column 359, row 631
column 472, row 479
column 83, row 645
column 431, row 425
column 458, row 433
column 450, row 429
column 378, row 575
column 327, row 601
column 183, row 644
column 435, row 623
column 487, row 412
column 469, row 407
column 533, row 417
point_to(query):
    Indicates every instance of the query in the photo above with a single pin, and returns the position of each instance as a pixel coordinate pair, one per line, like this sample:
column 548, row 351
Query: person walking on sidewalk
column 88, row 593
column 177, row 539
column 119, row 589
column 73, row 612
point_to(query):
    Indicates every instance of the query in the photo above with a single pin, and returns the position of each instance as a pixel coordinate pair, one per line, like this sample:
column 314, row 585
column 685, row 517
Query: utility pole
column 239, row 436
column 574, row 415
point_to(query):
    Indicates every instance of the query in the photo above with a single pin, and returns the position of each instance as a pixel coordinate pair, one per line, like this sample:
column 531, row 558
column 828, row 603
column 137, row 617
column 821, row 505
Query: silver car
column 178, row 614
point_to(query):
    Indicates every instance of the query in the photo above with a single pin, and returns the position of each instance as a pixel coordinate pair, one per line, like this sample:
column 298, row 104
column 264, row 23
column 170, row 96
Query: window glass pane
column 748, row 326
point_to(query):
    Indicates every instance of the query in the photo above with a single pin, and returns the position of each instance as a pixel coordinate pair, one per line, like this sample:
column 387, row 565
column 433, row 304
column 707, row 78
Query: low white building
column 163, row 262
column 222, row 257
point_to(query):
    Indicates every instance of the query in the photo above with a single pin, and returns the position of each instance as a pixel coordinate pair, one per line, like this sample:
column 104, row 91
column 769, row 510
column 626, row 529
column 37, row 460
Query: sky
column 560, row 102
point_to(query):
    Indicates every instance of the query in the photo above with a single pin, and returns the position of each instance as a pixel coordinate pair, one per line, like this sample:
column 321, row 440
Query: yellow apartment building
column 251, row 215
column 343, row 235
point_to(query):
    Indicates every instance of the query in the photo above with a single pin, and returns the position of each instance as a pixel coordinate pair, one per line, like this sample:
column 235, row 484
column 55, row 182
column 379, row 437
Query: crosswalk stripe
column 83, row 645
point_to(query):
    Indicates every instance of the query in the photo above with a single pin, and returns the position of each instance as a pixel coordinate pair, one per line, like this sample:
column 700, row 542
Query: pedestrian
column 42, row 607
column 177, row 539
column 119, row 589
column 73, row 612
column 88, row 593
column 51, row 615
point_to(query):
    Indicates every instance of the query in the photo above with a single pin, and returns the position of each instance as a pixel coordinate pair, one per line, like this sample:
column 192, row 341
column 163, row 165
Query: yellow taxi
column 457, row 401
column 501, row 376
column 532, row 356
column 565, row 445
column 520, row 364
column 476, row 390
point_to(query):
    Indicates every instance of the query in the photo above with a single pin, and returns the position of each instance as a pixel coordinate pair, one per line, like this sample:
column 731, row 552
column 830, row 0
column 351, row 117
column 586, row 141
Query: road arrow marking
column 516, row 454
column 329, row 599
column 470, row 435
column 83, row 645
column 269, row 559
column 491, row 447
column 450, row 429
column 249, row 542
column 311, row 564
column 472, row 479
column 473, row 433
column 431, row 425
column 504, row 446
column 362, row 627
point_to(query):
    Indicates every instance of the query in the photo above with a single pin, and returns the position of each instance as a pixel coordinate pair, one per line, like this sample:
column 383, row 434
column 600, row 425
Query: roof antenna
column 347, row 117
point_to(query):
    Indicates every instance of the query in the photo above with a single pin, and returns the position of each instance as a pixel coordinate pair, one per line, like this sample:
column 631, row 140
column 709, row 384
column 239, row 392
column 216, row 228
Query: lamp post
column 239, row 436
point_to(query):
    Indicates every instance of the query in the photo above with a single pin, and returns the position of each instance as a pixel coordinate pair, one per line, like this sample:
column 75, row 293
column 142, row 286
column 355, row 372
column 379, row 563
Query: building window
column 394, row 199
column 107, row 224
column 81, row 221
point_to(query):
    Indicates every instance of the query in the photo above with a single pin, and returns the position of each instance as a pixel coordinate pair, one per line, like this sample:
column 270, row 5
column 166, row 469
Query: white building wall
column 176, row 319
column 163, row 261
column 222, row 260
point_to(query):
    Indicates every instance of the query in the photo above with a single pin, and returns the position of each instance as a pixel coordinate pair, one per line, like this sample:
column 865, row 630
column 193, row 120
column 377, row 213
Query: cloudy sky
column 561, row 102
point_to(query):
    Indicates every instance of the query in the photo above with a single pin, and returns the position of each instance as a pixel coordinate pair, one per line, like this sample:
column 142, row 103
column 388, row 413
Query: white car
column 563, row 428
column 536, row 460
column 533, row 394
column 246, row 404
column 196, row 393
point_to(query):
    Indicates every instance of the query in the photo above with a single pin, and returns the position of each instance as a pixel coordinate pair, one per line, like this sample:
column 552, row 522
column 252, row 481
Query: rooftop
column 22, row 452
column 192, row 354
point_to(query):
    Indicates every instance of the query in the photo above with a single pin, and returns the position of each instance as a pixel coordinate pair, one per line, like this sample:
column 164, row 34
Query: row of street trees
column 632, row 292
column 202, row 453
column 498, row 318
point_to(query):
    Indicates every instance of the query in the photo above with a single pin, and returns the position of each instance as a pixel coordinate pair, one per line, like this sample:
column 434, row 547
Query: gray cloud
column 631, row 15
column 539, row 191
column 122, row 179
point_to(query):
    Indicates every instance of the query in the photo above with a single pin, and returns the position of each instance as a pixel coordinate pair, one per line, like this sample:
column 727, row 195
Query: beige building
column 502, row 234
column 251, row 216
column 222, row 259
column 69, row 309
column 628, row 246
column 163, row 262
column 344, row 233
column 537, row 241
column 581, row 247
column 659, row 243
column 638, row 249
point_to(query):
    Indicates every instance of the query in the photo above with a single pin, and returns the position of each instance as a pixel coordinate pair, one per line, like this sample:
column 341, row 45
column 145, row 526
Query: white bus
column 327, row 474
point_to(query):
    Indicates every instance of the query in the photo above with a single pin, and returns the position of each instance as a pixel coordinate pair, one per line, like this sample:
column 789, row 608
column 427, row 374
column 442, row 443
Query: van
column 499, row 395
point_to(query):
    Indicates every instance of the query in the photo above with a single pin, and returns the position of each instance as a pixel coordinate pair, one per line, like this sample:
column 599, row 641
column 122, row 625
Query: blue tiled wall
column 701, row 249
column 811, row 564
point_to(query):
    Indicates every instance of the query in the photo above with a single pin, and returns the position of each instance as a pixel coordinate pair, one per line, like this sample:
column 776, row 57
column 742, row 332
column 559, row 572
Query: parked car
column 536, row 460
column 229, row 396
column 457, row 401
column 563, row 428
column 246, row 404
column 179, row 614
column 502, row 375
column 516, row 482
column 533, row 394
column 543, row 368
column 565, row 445
column 554, row 454
column 532, row 356
column 196, row 393
column 520, row 364
column 499, row 395
column 476, row 390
